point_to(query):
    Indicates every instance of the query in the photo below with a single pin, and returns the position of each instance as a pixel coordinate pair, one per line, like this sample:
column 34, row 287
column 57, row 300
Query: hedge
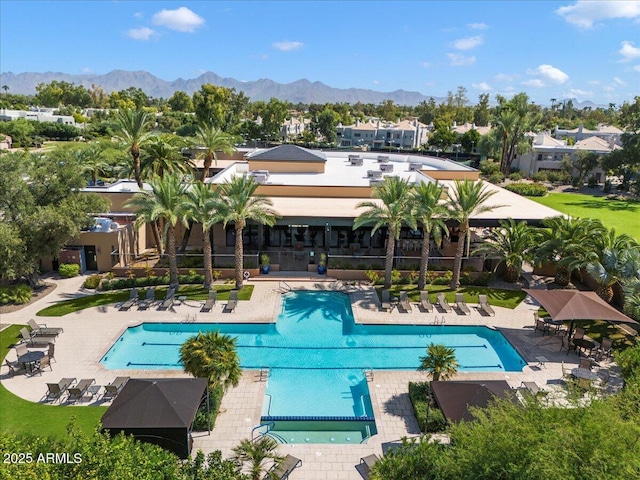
column 431, row 419
column 527, row 189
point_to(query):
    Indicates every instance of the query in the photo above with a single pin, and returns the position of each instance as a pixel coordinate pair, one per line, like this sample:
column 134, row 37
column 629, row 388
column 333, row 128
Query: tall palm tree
column 466, row 200
column 239, row 204
column 213, row 356
column 162, row 155
column 133, row 128
column 212, row 140
column 162, row 204
column 258, row 454
column 506, row 125
column 93, row 161
column 395, row 210
column 431, row 215
column 614, row 260
column 440, row 362
column 513, row 243
column 200, row 205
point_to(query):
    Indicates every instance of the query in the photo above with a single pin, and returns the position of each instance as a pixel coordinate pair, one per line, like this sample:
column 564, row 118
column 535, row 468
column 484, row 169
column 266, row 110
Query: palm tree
column 93, row 161
column 212, row 140
column 213, row 356
column 395, row 194
column 512, row 243
column 201, row 205
column 162, row 204
column 440, row 362
column 466, row 200
column 163, row 155
column 5, row 88
column 632, row 297
column 238, row 205
column 431, row 214
column 133, row 129
column 258, row 454
column 506, row 125
column 614, row 260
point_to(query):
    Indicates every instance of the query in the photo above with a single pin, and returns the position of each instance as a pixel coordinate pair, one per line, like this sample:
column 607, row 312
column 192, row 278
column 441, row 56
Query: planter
column 265, row 269
column 322, row 269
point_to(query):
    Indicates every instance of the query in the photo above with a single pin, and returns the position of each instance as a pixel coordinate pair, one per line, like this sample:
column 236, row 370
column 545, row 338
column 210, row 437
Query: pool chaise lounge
column 404, row 302
column 232, row 303
column 56, row 390
column 484, row 306
column 41, row 330
column 35, row 341
column 283, row 469
column 461, row 304
column 425, row 303
column 77, row 392
column 133, row 298
column 113, row 389
column 368, row 462
column 442, row 303
column 149, row 299
column 168, row 300
column 211, row 301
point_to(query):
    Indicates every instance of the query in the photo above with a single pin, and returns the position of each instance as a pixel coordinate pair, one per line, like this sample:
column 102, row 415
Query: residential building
column 608, row 133
column 39, row 115
column 293, row 127
column 404, row 135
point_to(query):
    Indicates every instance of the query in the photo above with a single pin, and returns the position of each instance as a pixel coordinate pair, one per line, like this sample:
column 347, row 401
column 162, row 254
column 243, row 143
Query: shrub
column 372, row 276
column 576, row 182
column 216, row 275
column 481, row 280
column 395, row 277
column 489, row 168
column 629, row 361
column 527, row 189
column 131, row 273
column 607, row 186
column 442, row 279
column 495, row 177
column 68, row 270
column 148, row 271
column 539, row 177
column 200, row 423
column 413, row 276
column 376, row 266
column 430, row 418
column 591, row 182
column 515, row 177
column 15, row 294
column 92, row 282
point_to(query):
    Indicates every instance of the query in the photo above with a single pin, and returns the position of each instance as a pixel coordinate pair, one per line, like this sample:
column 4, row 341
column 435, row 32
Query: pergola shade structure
column 158, row 411
column 454, row 398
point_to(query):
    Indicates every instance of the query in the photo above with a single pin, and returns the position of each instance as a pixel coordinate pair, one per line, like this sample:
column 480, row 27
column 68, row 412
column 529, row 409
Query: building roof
column 596, row 144
column 289, row 153
column 545, row 140
column 455, row 398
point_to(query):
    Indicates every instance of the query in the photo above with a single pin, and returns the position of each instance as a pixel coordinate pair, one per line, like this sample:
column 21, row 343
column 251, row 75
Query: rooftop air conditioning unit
column 260, row 178
column 376, row 181
column 386, row 167
column 383, row 158
column 414, row 167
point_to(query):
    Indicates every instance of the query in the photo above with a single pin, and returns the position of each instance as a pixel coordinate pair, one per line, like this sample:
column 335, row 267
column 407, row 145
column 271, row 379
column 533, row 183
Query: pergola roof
column 455, row 398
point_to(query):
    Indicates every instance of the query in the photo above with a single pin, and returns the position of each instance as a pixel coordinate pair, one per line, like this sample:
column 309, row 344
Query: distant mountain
column 263, row 89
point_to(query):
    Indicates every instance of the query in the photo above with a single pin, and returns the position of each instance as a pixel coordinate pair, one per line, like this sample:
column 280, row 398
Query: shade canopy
column 577, row 305
column 455, row 398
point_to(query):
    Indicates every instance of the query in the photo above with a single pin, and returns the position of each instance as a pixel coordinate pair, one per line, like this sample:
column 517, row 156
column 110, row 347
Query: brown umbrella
column 576, row 305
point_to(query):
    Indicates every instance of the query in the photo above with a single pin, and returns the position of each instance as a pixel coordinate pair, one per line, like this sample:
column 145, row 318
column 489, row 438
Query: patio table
column 584, row 373
column 29, row 358
column 585, row 344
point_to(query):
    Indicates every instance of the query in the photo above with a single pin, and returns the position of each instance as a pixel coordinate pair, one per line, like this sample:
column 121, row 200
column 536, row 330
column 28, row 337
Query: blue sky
column 550, row 49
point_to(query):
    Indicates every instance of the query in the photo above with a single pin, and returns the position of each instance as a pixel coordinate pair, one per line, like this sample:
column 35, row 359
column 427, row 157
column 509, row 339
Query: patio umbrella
column 576, row 305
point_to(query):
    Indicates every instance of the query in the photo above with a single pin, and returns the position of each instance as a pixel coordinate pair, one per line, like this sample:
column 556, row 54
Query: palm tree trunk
column 206, row 254
column 155, row 230
column 135, row 153
column 563, row 276
column 457, row 264
column 173, row 261
column 424, row 259
column 388, row 263
column 208, row 160
column 605, row 292
column 186, row 236
column 505, row 155
column 239, row 256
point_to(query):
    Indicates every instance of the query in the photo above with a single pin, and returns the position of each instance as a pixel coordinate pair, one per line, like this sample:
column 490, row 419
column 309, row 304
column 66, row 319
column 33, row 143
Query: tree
column 257, row 455
column 513, row 243
column 13, row 260
column 466, row 200
column 393, row 210
column 482, row 114
column 162, row 155
column 219, row 107
column 180, row 102
column 212, row 355
column 584, row 162
column 431, row 215
column 440, row 362
column 443, row 136
column 272, row 117
column 325, row 124
column 470, row 139
column 212, row 140
column 132, row 128
column 162, row 204
column 5, row 88
column 239, row 204
column 93, row 161
column 213, row 467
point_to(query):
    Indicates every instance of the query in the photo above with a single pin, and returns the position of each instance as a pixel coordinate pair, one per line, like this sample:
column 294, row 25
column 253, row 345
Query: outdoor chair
column 578, row 333
column 211, row 301
column 149, row 299
column 386, row 301
column 51, row 351
column 56, row 390
column 14, row 367
column 586, row 363
column 542, row 326
column 27, row 339
column 43, row 330
column 442, row 303
column 232, row 303
column 168, row 299
column 566, row 371
column 368, row 462
column 461, row 304
column 133, row 298
column 484, row 306
column 21, row 349
column 425, row 302
column 606, row 348
column 113, row 389
column 404, row 302
column 77, row 392
column 567, row 343
column 42, row 364
column 283, row 469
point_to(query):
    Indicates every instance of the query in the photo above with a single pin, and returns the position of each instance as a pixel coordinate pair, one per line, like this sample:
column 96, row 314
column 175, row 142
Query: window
column 356, row 135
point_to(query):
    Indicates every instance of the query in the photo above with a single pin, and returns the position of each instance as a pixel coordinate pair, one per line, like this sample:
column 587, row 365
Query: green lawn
column 20, row 416
column 499, row 298
column 192, row 292
column 622, row 215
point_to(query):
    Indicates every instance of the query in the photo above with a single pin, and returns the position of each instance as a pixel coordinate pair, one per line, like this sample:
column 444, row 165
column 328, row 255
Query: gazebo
column 455, row 397
column 159, row 411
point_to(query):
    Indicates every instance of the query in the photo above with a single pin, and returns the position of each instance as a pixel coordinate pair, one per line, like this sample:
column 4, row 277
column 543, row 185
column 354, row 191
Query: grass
column 192, row 292
column 499, row 298
column 18, row 416
column 619, row 214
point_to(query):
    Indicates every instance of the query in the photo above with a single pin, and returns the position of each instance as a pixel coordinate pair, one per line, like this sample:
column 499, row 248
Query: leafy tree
column 212, row 355
column 467, row 199
column 391, row 211
column 212, row 140
column 325, row 124
column 219, row 107
column 482, row 112
column 626, row 162
column 213, row 467
column 632, row 297
column 584, row 162
column 257, row 455
column 13, row 260
column 443, row 136
column 239, row 204
column 388, row 111
column 133, row 129
column 180, row 102
column 19, row 130
column 470, row 140
column 57, row 131
column 426, row 111
column 59, row 93
column 272, row 117
column 431, row 215
column 93, row 161
column 440, row 362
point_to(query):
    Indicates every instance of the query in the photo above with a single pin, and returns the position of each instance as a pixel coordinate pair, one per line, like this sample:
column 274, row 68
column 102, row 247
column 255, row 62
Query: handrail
column 281, row 282
column 270, row 426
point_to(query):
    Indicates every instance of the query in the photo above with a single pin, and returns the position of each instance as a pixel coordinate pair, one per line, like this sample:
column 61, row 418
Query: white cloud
column 534, row 82
column 138, row 14
column 608, row 88
column 430, row 84
column 425, row 64
column 478, row 26
column 467, row 43
column 264, row 56
column 86, row 70
column 584, row 14
column 550, row 73
column 628, row 51
column 458, row 60
column 576, row 92
column 619, row 82
column 503, row 77
column 593, row 82
column 287, row 46
column 483, row 86
column 181, row 19
column 143, row 33
column 376, row 82
column 636, row 68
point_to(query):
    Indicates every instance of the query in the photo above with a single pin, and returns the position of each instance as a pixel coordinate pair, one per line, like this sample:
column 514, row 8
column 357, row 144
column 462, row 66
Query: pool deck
column 89, row 333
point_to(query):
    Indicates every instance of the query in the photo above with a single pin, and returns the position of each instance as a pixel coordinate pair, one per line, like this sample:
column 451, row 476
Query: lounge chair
column 133, row 298
column 14, row 367
column 113, row 389
column 425, row 303
column 368, row 462
column 386, row 304
column 484, row 306
column 461, row 304
column 283, row 469
column 404, row 302
column 27, row 339
column 77, row 392
column 149, row 299
column 41, row 330
column 211, row 301
column 168, row 300
column 56, row 390
column 232, row 303
column 442, row 302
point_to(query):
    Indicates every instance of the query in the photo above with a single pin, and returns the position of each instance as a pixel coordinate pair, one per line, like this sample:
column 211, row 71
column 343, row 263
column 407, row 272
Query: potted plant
column 322, row 264
column 264, row 260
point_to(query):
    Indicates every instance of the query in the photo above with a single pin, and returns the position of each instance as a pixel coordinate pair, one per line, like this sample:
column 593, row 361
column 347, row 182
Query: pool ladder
column 264, row 373
column 283, row 287
column 269, row 426
column 438, row 321
column 368, row 375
